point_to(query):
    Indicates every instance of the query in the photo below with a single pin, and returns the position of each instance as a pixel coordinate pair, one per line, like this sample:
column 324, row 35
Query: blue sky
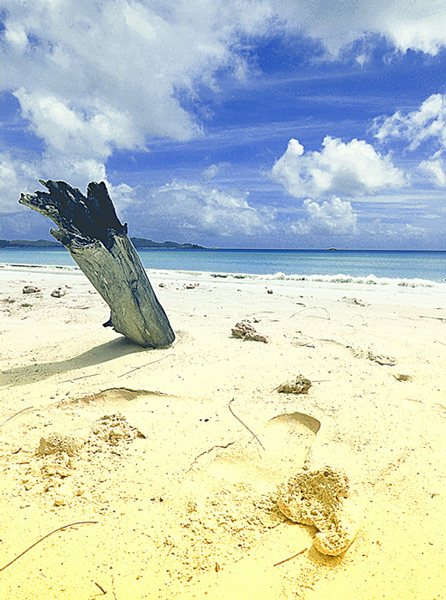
column 231, row 123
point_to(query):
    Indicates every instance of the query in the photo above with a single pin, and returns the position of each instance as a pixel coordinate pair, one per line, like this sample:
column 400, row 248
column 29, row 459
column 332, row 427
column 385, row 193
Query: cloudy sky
column 232, row 123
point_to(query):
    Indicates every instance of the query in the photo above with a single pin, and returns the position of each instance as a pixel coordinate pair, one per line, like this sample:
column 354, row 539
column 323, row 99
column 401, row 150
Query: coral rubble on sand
column 301, row 385
column 320, row 498
column 246, row 331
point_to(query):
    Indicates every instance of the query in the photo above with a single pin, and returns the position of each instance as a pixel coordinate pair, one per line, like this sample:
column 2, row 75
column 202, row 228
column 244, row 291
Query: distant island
column 138, row 243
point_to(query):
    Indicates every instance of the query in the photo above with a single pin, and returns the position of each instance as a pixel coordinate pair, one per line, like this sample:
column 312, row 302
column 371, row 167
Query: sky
column 231, row 123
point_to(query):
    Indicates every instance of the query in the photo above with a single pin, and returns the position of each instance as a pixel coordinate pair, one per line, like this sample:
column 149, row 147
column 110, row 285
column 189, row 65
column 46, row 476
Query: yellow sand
column 188, row 510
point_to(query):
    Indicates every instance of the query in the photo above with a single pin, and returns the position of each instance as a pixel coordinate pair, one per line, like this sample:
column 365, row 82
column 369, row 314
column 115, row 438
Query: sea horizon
column 410, row 267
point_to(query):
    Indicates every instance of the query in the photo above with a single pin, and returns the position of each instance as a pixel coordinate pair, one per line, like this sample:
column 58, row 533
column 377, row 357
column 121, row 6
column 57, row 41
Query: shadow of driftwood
column 95, row 356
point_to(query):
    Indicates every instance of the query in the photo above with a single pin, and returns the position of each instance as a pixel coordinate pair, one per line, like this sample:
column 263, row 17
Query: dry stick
column 15, row 415
column 311, row 308
column 100, row 587
column 244, row 425
column 290, row 558
column 167, row 555
column 44, row 537
column 77, row 378
column 146, row 365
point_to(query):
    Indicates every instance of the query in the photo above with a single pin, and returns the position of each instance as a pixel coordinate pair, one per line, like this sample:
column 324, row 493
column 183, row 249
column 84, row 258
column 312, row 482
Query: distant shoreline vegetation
column 138, row 243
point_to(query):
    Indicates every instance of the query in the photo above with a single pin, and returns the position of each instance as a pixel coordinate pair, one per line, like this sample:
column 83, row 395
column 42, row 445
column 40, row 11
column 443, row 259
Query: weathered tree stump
column 98, row 242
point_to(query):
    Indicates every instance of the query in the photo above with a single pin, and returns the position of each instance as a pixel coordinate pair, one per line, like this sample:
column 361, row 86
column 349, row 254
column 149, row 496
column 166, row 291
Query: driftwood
column 89, row 228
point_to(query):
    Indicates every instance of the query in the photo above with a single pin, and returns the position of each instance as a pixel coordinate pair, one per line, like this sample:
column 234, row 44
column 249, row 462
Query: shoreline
column 174, row 504
column 339, row 278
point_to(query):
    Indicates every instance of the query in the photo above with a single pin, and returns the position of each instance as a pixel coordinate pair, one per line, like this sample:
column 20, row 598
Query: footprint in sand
column 279, row 449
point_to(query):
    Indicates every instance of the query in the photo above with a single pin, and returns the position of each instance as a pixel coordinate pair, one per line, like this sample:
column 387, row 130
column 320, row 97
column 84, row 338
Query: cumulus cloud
column 426, row 124
column 97, row 76
column 424, row 129
column 110, row 74
column 94, row 77
column 419, row 25
column 332, row 216
column 16, row 176
column 348, row 169
column 93, row 131
column 184, row 210
column 435, row 170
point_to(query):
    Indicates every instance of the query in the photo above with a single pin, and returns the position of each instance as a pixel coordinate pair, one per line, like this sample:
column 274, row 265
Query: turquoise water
column 381, row 264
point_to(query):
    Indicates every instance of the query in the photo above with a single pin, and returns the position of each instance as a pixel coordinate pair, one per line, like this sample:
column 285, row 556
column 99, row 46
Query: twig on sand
column 77, row 378
column 311, row 308
column 44, row 537
column 290, row 557
column 100, row 587
column 16, row 414
column 167, row 555
column 145, row 365
column 194, row 462
column 244, row 425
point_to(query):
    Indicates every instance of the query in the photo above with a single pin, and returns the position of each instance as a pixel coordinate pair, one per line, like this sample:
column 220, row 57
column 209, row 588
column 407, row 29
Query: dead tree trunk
column 98, row 242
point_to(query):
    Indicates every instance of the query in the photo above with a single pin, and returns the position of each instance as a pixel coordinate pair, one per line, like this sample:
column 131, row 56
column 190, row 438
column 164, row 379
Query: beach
column 178, row 452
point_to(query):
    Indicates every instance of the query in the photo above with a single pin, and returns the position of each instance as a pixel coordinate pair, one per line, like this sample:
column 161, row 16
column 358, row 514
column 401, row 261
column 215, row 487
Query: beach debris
column 114, row 429
column 300, row 385
column 98, row 242
column 321, row 498
column 60, row 291
column 403, row 377
column 244, row 330
column 269, row 291
column 354, row 301
column 44, row 538
column 31, row 289
column 381, row 359
column 191, row 286
column 58, row 443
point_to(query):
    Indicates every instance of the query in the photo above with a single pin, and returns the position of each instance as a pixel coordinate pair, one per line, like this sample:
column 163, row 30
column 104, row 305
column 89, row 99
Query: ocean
column 357, row 266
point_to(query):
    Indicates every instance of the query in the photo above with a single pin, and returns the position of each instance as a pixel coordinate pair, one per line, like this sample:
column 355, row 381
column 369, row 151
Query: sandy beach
column 175, row 495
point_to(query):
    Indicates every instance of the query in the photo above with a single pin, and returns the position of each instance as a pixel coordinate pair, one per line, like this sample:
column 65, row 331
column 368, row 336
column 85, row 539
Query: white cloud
column 332, row 216
column 435, row 169
column 88, row 131
column 420, row 24
column 399, row 232
column 21, row 176
column 106, row 75
column 98, row 76
column 186, row 211
column 426, row 124
column 15, row 177
column 348, row 169
column 211, row 171
column 424, row 129
column 94, row 77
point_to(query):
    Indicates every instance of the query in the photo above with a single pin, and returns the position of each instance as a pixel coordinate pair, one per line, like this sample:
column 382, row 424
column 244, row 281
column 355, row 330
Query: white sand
column 188, row 511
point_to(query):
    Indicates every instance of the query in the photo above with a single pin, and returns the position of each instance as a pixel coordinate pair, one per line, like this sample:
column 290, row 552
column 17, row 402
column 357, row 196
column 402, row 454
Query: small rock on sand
column 30, row 289
column 59, row 292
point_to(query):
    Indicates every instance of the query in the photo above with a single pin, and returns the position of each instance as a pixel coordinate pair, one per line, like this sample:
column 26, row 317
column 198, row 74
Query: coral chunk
column 300, row 386
column 246, row 331
column 321, row 498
